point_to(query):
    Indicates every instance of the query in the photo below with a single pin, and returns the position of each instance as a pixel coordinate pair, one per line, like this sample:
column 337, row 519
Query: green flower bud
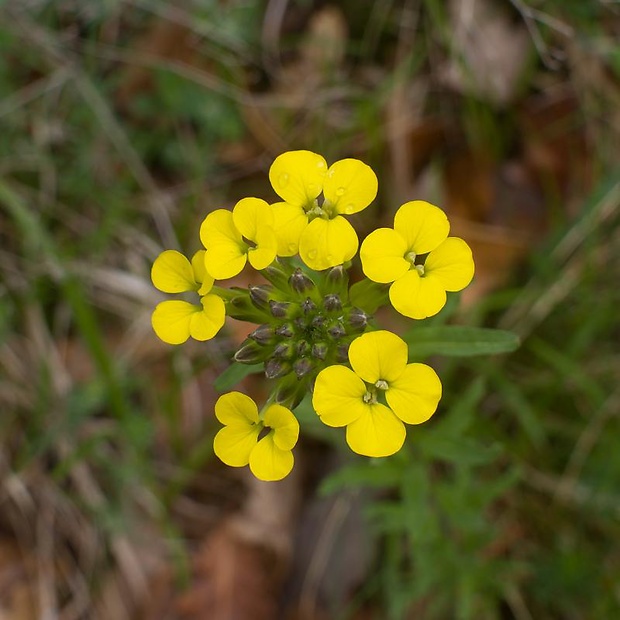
column 336, row 281
column 320, row 350
column 336, row 330
column 264, row 334
column 290, row 391
column 250, row 352
column 280, row 309
column 332, row 303
column 302, row 348
column 241, row 308
column 302, row 367
column 300, row 282
column 318, row 321
column 278, row 274
column 275, row 368
column 308, row 306
column 342, row 353
column 285, row 330
column 260, row 295
column 284, row 350
column 357, row 321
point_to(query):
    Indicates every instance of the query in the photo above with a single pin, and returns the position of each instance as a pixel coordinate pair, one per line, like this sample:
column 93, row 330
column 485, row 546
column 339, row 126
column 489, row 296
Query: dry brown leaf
column 18, row 591
column 490, row 52
column 232, row 580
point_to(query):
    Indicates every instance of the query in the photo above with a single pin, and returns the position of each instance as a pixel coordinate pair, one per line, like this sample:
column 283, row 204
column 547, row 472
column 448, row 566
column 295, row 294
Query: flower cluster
column 314, row 333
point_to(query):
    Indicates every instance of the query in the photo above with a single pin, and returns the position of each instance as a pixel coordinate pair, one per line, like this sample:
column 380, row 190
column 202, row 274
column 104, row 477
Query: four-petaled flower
column 345, row 397
column 264, row 442
column 232, row 239
column 176, row 320
column 397, row 255
column 305, row 225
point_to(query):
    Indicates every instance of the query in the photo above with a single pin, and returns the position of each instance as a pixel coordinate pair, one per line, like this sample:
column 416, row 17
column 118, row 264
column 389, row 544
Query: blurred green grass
column 124, row 123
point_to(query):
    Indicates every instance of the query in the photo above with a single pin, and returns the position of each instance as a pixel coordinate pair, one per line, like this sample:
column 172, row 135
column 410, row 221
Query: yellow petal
column 225, row 261
column 284, row 424
column 250, row 214
column 414, row 396
column 173, row 273
column 350, row 185
column 270, row 463
column 417, row 297
column 376, row 433
column 219, row 228
column 265, row 251
column 422, row 225
column 171, row 320
column 382, row 255
column 205, row 325
column 234, row 444
column 378, row 355
column 338, row 396
column 297, row 177
column 235, row 408
column 451, row 263
column 327, row 243
column 290, row 222
column 200, row 273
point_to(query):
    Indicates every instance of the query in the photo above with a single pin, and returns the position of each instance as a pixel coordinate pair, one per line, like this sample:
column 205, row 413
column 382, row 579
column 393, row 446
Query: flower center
column 417, row 261
column 381, row 384
column 321, row 208
column 370, row 398
column 264, row 432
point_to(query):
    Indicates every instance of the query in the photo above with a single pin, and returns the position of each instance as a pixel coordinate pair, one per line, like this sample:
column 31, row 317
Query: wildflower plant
column 315, row 333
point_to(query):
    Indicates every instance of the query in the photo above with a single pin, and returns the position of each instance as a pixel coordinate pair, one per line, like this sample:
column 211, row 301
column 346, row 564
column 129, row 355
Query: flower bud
column 285, row 330
column 275, row 368
column 308, row 306
column 284, row 350
column 302, row 348
column 290, row 391
column 241, row 308
column 278, row 274
column 357, row 321
column 279, row 309
column 320, row 350
column 250, row 352
column 300, row 282
column 318, row 321
column 264, row 334
column 302, row 366
column 336, row 280
column 342, row 353
column 332, row 303
column 336, row 330
column 260, row 295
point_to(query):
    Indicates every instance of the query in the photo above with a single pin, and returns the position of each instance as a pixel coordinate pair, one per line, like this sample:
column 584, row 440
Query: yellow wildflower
column 345, row 397
column 419, row 258
column 264, row 442
column 175, row 321
column 234, row 238
column 315, row 228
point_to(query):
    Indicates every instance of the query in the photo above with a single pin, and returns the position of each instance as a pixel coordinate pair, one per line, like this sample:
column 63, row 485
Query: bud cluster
column 306, row 323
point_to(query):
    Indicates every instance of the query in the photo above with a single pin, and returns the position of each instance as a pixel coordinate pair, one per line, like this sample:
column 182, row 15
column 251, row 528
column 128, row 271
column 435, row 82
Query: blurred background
column 123, row 123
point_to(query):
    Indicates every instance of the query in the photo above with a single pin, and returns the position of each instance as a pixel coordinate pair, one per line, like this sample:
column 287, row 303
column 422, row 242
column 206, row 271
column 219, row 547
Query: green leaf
column 457, row 341
column 233, row 374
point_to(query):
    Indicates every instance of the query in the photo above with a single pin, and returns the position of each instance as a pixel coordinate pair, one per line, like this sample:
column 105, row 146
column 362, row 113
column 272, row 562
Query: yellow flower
column 397, row 255
column 315, row 228
column 345, row 397
column 264, row 442
column 234, row 238
column 175, row 321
